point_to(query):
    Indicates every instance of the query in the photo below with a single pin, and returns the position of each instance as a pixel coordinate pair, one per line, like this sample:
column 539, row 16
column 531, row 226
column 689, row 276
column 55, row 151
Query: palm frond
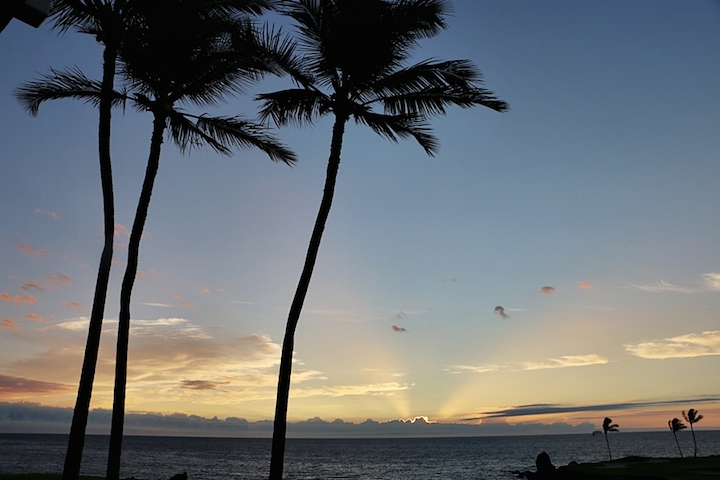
column 221, row 132
column 428, row 87
column 71, row 83
column 394, row 127
column 297, row 105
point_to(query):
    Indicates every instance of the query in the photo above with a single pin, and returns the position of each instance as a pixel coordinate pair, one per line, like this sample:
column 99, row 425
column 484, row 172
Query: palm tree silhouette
column 183, row 52
column 106, row 20
column 692, row 416
column 354, row 51
column 608, row 426
column 675, row 426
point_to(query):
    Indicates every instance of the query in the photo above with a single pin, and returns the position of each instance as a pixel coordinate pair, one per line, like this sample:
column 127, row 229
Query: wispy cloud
column 9, row 323
column 397, row 329
column 201, row 384
column 33, row 251
column 710, row 282
column 32, row 285
column 205, row 290
column 373, row 389
column 47, row 213
column 33, row 317
column 176, row 297
column 585, row 285
column 121, row 230
column 683, row 346
column 6, row 297
column 546, row 290
column 475, row 369
column 76, row 305
column 566, row 361
column 549, row 408
column 60, row 279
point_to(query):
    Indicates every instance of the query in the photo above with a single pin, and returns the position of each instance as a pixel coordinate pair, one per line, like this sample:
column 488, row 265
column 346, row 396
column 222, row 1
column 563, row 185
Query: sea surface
column 470, row 458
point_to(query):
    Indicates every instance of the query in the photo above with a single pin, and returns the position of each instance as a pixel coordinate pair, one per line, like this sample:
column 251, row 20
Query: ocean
column 468, row 458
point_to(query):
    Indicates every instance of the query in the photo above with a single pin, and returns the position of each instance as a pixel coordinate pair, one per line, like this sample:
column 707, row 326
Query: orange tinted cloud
column 187, row 306
column 206, row 290
column 76, row 305
column 30, row 250
column 47, row 213
column 60, row 278
column 176, row 297
column 6, row 297
column 221, row 290
column 9, row 323
column 547, row 290
column 141, row 274
column 35, row 318
column 584, row 285
column 397, row 329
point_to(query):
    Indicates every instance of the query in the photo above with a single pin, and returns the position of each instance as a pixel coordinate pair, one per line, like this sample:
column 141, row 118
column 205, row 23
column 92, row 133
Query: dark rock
column 179, row 476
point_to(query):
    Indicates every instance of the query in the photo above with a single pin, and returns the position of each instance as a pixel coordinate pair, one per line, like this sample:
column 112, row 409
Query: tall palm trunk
column 692, row 430
column 76, row 442
column 678, row 443
column 608, row 446
column 118, row 413
column 283, row 391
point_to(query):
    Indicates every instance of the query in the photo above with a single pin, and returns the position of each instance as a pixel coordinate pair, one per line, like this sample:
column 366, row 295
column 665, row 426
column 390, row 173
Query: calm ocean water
column 475, row 458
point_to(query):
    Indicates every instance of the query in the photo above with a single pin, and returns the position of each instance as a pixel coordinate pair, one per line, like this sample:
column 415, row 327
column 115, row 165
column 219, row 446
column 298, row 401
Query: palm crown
column 352, row 62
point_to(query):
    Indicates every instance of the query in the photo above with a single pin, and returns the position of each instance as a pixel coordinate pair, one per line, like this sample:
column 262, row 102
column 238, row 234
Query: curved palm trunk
column 118, row 413
column 678, row 443
column 76, row 442
column 608, row 446
column 283, row 391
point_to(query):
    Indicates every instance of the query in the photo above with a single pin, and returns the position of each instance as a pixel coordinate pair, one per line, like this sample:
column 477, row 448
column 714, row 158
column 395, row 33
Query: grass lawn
column 701, row 468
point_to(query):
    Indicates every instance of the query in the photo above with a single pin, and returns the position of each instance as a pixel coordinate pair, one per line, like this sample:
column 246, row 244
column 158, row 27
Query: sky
column 552, row 265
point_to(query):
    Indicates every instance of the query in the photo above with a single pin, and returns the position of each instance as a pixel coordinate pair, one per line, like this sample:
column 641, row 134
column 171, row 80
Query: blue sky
column 600, row 183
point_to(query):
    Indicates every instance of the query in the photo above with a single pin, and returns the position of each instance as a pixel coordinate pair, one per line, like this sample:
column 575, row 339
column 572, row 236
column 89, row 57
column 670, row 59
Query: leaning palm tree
column 106, row 20
column 692, row 416
column 354, row 54
column 183, row 52
column 675, row 426
column 608, row 426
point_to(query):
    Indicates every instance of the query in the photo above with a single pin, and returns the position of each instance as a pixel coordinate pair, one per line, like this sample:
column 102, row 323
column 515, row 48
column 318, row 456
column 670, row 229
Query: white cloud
column 663, row 286
column 566, row 361
column 712, row 280
column 476, row 369
column 683, row 346
column 710, row 283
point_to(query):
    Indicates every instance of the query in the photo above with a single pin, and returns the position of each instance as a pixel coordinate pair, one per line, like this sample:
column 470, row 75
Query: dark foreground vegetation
column 635, row 468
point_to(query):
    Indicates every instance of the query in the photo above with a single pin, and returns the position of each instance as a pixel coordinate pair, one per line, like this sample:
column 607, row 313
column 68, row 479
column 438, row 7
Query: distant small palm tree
column 608, row 426
column 691, row 417
column 675, row 426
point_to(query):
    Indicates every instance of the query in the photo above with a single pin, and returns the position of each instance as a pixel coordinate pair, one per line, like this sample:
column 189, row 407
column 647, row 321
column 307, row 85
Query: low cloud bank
column 28, row 417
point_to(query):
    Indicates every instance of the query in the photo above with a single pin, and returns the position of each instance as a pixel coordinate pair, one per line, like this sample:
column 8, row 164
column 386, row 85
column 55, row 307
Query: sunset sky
column 590, row 213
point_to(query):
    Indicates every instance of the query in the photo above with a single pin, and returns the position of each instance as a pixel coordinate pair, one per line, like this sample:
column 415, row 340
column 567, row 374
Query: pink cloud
column 17, row 385
column 47, row 213
column 9, row 323
column 397, row 329
column 176, row 297
column 206, row 290
column 121, row 230
column 76, row 305
column 36, row 318
column 30, row 250
column 547, row 290
column 584, row 285
column 221, row 290
column 6, row 297
column 142, row 274
column 187, row 306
